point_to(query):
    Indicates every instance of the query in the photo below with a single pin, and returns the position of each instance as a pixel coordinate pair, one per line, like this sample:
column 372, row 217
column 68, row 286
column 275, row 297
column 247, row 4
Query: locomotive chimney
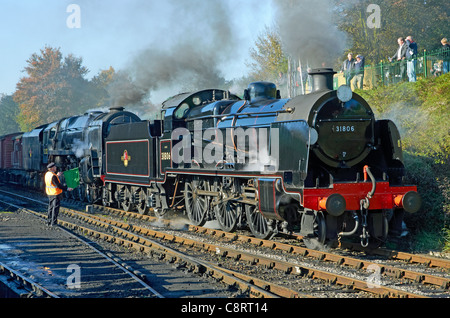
column 322, row 79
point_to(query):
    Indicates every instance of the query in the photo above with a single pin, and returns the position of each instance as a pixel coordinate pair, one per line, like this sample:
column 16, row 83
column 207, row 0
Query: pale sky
column 112, row 32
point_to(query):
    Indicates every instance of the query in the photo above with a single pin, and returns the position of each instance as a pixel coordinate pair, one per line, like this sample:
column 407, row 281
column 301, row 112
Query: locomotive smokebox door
column 292, row 146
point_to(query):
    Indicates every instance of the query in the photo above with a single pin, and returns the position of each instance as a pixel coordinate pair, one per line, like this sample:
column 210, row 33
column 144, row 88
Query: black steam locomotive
column 319, row 165
column 73, row 142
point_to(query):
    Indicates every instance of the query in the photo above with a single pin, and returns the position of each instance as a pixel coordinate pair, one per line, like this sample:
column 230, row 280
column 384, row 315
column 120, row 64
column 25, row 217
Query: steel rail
column 255, row 287
column 324, row 256
column 25, row 281
column 406, row 257
column 132, row 275
column 249, row 285
column 126, row 270
column 287, row 267
column 34, row 287
column 391, row 254
column 387, row 270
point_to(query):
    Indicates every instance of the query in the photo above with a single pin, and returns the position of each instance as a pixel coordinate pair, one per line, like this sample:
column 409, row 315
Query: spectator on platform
column 358, row 80
column 436, row 70
column 400, row 56
column 348, row 68
column 411, row 56
column 445, row 55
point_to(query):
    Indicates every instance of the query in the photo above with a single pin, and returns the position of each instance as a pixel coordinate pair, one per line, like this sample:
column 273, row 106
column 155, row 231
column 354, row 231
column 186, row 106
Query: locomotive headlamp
column 334, row 204
column 344, row 93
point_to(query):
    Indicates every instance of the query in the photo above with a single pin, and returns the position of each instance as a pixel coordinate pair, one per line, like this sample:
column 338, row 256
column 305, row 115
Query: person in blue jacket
column 358, row 79
column 411, row 56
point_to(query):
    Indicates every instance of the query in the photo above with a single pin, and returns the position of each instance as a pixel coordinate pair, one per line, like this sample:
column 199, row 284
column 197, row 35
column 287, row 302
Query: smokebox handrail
column 275, row 112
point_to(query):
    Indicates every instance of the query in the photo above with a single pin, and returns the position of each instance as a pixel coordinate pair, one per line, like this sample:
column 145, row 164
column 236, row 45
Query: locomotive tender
column 319, row 165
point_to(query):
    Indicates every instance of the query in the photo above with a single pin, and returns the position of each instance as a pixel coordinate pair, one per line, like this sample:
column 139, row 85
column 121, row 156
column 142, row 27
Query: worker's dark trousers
column 53, row 209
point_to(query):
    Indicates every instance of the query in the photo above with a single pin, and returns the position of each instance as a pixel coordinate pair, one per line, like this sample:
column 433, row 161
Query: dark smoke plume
column 200, row 38
column 308, row 31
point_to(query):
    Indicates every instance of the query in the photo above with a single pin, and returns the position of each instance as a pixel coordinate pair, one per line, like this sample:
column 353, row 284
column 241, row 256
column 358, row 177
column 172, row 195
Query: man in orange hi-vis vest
column 54, row 189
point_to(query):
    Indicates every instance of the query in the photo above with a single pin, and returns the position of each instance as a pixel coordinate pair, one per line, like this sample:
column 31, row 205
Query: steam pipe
column 374, row 184
column 355, row 216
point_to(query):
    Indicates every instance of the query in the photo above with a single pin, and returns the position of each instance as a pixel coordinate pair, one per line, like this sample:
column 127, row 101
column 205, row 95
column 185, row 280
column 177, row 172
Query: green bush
column 422, row 113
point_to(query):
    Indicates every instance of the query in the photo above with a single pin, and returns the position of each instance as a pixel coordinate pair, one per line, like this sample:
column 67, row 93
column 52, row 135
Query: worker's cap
column 50, row 165
column 359, row 56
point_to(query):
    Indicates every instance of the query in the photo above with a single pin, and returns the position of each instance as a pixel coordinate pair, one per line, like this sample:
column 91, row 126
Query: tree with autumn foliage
column 55, row 87
column 268, row 58
column 9, row 111
column 101, row 86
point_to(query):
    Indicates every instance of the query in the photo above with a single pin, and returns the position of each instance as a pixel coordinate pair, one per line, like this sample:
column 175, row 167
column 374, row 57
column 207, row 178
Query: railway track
column 291, row 267
column 24, row 286
column 334, row 270
column 252, row 286
column 38, row 290
column 442, row 280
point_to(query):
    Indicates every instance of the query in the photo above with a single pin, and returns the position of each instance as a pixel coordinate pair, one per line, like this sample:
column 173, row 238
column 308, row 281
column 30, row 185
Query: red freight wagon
column 11, row 151
column 17, row 160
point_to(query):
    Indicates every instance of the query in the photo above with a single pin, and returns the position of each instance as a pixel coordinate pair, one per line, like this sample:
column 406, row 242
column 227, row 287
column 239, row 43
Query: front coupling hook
column 364, row 207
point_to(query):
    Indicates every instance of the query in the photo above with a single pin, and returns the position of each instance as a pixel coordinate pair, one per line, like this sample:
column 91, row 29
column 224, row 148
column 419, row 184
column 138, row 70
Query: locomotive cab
column 49, row 139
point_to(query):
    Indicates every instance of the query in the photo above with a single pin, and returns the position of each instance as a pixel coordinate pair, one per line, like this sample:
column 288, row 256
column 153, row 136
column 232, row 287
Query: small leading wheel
column 197, row 205
column 313, row 229
column 377, row 235
column 257, row 222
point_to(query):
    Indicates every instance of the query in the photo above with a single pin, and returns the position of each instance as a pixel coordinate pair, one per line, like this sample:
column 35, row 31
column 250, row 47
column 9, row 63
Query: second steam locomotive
column 319, row 165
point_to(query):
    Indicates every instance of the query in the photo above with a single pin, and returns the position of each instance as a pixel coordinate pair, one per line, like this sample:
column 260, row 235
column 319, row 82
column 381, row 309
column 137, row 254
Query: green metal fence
column 427, row 64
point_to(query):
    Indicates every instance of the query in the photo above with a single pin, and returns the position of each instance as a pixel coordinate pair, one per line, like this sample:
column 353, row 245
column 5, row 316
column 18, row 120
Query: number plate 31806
column 343, row 129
